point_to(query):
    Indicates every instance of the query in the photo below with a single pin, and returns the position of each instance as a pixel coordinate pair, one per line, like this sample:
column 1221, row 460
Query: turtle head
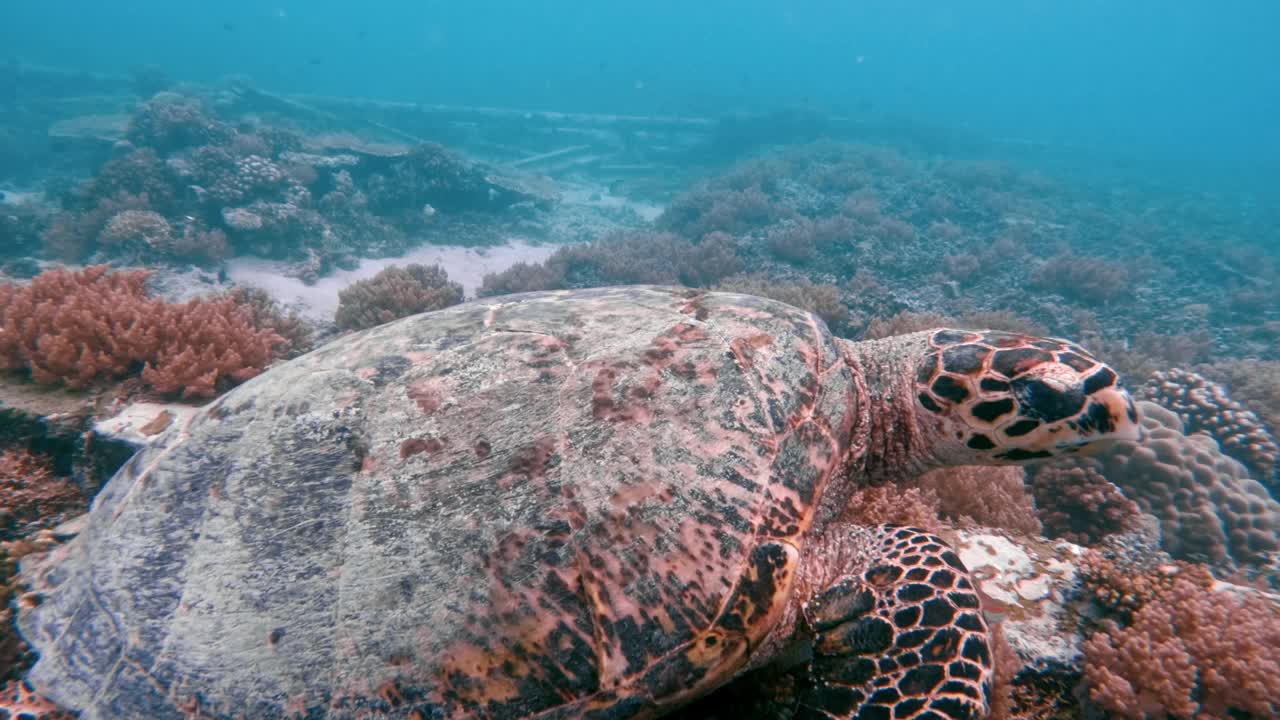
column 1003, row 398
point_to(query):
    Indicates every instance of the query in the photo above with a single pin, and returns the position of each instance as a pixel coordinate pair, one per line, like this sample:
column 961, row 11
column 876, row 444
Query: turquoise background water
column 1183, row 89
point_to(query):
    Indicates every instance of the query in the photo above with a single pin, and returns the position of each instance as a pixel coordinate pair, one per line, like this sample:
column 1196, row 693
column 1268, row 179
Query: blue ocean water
column 1185, row 90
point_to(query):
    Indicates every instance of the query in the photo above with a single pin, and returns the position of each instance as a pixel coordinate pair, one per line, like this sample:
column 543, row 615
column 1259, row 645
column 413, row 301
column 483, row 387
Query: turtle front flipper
column 897, row 630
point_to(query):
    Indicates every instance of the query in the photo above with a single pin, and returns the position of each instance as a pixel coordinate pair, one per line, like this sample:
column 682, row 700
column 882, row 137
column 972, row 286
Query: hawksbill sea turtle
column 597, row 503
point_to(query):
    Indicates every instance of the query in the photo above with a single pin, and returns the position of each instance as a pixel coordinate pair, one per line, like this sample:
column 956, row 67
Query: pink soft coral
column 1189, row 650
column 79, row 327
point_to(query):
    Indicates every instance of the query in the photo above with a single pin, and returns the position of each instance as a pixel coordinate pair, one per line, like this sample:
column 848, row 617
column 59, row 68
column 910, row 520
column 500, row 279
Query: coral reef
column 264, row 312
column 394, row 293
column 1253, row 383
column 137, row 173
column 431, row 175
column 137, row 233
column 73, row 234
column 78, row 327
column 1178, row 646
column 1091, row 279
column 1076, row 503
column 994, row 497
column 902, row 323
column 227, row 189
column 1209, row 508
column 169, row 122
column 522, row 277
column 821, row 299
column 708, row 209
column 963, row 496
column 1204, row 406
column 892, row 503
column 31, row 497
column 629, row 258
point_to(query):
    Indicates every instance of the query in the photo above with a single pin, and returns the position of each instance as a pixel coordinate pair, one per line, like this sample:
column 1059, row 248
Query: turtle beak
column 1118, row 419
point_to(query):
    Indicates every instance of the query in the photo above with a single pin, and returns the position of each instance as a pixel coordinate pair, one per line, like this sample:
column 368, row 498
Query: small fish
column 229, row 27
column 315, row 61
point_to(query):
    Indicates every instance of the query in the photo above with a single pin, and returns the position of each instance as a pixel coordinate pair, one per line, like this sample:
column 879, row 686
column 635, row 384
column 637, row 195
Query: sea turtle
column 596, row 503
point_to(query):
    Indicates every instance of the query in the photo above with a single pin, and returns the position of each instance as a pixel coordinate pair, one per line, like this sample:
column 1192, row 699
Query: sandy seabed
column 465, row 265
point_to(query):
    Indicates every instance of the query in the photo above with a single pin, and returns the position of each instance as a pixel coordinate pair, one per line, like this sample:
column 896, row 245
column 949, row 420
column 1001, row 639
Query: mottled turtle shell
column 543, row 504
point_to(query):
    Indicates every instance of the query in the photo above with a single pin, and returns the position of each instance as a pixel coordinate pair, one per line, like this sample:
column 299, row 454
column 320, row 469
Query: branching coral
column 1254, row 383
column 902, row 323
column 140, row 173
column 394, row 293
column 988, row 496
column 906, row 321
column 800, row 239
column 203, row 345
column 78, row 327
column 31, row 496
column 892, row 503
column 1204, row 406
column 199, row 245
column 1076, row 503
column 265, row 312
column 1181, row 647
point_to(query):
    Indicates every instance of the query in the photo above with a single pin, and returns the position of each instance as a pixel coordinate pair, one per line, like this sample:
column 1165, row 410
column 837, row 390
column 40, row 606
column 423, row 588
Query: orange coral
column 1187, row 650
column 991, row 497
column 78, row 327
column 206, row 343
column 31, row 496
column 874, row 505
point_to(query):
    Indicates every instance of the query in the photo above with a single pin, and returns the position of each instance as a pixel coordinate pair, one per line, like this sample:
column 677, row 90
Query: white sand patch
column 465, row 265
column 15, row 197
